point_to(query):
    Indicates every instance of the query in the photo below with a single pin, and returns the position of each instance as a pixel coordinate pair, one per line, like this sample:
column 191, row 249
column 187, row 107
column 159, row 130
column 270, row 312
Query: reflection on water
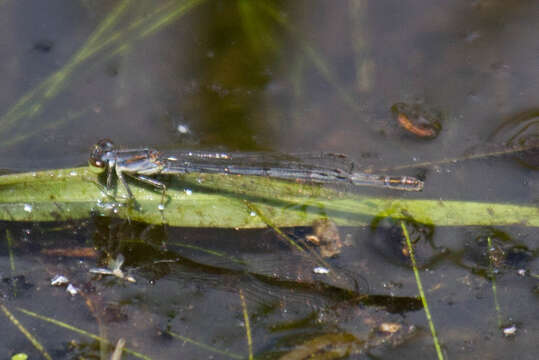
column 192, row 276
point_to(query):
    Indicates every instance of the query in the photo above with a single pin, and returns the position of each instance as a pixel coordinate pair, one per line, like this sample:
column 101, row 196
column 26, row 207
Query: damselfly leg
column 137, row 163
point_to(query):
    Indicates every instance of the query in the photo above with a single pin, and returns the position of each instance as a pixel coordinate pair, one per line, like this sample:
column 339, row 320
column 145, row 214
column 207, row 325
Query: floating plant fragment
column 72, row 289
column 114, row 269
column 418, row 119
column 326, row 236
column 59, row 280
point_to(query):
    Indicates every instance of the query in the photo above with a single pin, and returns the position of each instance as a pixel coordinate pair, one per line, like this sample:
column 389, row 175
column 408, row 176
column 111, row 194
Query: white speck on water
column 320, row 270
column 72, row 290
column 252, row 213
column 183, row 129
column 161, row 207
column 27, row 208
column 189, row 191
column 59, row 280
column 510, row 331
column 521, row 272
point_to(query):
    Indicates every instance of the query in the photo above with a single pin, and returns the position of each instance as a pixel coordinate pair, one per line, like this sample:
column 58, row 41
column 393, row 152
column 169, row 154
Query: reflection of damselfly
column 321, row 168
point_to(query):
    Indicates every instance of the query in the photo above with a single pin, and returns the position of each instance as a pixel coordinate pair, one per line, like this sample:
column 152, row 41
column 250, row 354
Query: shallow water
column 307, row 76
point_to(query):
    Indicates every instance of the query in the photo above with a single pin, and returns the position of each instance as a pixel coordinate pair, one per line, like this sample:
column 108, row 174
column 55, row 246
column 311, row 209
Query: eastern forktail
column 145, row 162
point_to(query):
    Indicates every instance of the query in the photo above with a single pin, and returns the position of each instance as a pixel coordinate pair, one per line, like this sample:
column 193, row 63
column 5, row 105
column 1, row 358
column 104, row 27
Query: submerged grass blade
column 308, row 251
column 79, row 331
column 25, row 332
column 33, row 102
column 69, row 117
column 217, row 254
column 247, row 325
column 317, row 60
column 270, row 224
column 110, row 21
column 204, row 346
column 214, row 200
column 422, row 293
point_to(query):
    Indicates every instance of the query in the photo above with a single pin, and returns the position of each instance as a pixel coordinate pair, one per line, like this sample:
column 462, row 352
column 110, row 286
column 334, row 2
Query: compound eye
column 105, row 145
column 100, row 149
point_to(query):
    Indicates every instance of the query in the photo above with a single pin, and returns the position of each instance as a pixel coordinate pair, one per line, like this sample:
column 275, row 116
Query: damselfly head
column 99, row 150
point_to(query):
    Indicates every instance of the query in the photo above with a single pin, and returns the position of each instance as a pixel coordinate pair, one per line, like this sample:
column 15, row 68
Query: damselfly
column 142, row 163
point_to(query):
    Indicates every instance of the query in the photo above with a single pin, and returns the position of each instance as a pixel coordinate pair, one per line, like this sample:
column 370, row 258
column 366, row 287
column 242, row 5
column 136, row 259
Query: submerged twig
column 505, row 151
